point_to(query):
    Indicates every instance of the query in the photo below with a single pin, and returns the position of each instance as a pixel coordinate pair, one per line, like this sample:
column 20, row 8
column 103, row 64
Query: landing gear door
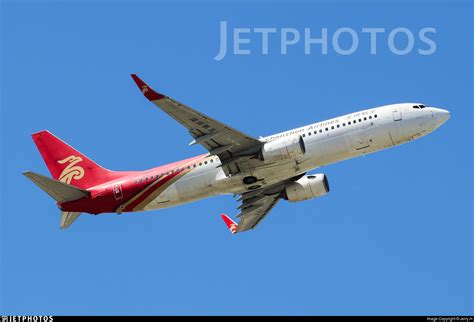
column 397, row 114
column 245, row 168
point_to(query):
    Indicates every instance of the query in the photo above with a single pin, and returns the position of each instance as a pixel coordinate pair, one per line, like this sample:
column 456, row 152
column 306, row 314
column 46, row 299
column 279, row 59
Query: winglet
column 147, row 90
column 229, row 223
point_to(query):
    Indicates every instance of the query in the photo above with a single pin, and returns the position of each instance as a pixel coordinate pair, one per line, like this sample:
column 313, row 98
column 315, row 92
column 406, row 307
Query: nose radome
column 441, row 115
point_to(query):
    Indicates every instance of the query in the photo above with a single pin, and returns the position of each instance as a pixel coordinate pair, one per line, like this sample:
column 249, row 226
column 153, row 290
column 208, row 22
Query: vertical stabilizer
column 68, row 165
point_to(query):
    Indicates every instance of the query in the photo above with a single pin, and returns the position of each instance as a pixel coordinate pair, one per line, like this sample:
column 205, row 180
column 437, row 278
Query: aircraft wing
column 255, row 205
column 218, row 138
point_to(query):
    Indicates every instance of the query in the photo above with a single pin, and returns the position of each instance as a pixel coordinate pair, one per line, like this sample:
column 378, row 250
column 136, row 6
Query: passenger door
column 397, row 114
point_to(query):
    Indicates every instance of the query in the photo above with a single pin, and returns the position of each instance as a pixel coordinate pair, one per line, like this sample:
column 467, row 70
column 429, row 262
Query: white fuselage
column 326, row 142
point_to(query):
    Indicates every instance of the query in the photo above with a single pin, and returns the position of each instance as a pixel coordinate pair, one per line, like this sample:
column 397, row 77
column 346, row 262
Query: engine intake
column 283, row 148
column 307, row 187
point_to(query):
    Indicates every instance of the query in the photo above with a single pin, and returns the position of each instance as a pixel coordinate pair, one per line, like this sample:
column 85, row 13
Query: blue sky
column 394, row 236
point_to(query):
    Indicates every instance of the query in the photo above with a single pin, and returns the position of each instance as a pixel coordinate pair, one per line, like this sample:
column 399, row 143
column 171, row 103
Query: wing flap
column 251, row 219
column 257, row 204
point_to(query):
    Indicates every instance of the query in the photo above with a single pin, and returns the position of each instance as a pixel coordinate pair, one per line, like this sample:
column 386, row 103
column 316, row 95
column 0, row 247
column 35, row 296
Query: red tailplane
column 69, row 165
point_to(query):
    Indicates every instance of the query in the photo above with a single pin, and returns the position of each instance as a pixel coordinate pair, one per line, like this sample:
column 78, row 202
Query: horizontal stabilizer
column 67, row 218
column 59, row 191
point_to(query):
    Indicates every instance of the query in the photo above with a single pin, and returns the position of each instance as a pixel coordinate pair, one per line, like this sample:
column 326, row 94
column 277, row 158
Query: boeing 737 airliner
column 260, row 171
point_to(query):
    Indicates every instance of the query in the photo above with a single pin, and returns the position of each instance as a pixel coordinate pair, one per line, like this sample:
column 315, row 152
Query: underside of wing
column 254, row 212
column 255, row 206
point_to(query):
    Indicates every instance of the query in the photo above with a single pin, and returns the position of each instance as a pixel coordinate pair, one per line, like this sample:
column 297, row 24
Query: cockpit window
column 419, row 106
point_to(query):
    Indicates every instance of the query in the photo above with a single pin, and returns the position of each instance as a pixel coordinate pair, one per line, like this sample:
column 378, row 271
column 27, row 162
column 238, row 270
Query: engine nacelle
column 283, row 148
column 307, row 187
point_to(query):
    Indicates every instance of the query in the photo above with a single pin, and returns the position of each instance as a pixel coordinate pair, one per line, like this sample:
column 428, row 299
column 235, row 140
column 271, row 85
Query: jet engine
column 286, row 147
column 307, row 187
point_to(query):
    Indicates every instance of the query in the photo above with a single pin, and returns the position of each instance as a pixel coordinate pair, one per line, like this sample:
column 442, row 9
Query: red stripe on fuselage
column 136, row 187
column 149, row 190
column 161, row 183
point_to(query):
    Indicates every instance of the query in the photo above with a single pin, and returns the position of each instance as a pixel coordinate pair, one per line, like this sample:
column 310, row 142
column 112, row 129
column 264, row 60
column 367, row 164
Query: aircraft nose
column 440, row 115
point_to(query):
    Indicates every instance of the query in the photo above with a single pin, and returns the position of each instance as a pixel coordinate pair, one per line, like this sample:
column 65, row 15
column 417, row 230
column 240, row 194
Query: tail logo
column 233, row 228
column 71, row 171
column 144, row 89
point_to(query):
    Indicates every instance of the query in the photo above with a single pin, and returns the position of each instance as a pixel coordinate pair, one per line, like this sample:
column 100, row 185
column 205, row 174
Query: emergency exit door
column 397, row 114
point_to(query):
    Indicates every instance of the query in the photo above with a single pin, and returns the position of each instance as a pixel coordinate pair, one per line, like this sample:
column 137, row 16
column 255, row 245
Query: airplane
column 259, row 171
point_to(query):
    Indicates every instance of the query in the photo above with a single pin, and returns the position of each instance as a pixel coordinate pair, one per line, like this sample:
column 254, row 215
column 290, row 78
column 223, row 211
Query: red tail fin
column 67, row 164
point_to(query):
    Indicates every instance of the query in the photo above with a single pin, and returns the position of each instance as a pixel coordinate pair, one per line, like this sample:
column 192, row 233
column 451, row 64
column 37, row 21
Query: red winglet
column 147, row 90
column 230, row 223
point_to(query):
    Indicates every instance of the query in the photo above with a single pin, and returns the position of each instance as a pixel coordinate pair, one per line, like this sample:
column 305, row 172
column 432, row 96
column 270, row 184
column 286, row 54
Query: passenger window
column 194, row 165
column 349, row 123
column 212, row 160
column 309, row 134
column 320, row 130
column 360, row 120
column 365, row 119
column 304, row 135
column 326, row 129
column 370, row 117
column 332, row 127
column 338, row 126
column 200, row 163
column 146, row 179
column 375, row 116
column 343, row 124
